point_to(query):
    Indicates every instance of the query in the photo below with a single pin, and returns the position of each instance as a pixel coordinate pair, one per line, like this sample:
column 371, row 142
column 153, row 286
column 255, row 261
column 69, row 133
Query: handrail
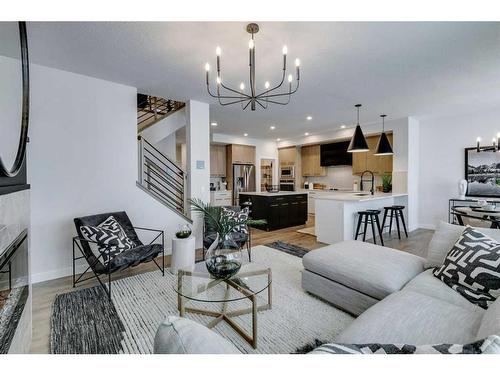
column 153, row 109
column 161, row 177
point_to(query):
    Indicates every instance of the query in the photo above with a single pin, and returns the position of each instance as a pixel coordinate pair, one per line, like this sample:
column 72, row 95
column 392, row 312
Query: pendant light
column 383, row 145
column 358, row 141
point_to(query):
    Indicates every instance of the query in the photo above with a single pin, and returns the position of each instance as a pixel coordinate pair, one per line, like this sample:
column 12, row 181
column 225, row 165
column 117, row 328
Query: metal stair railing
column 151, row 109
column 161, row 177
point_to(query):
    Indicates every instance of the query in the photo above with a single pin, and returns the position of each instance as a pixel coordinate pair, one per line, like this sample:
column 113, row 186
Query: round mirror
column 14, row 97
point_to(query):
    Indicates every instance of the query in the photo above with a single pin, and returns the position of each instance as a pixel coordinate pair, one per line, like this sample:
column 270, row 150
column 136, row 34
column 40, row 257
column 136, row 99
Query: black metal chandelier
column 269, row 95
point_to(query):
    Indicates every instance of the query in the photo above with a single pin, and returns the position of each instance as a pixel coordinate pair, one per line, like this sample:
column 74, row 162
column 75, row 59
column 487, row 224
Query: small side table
column 183, row 254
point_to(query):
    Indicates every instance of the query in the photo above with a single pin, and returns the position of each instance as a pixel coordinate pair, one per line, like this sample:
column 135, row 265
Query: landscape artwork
column 482, row 172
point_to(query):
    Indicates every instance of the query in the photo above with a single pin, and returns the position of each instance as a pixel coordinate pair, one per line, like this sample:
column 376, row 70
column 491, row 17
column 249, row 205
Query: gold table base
column 225, row 315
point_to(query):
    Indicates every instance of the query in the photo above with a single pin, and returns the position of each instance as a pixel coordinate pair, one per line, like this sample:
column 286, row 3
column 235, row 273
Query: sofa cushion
column 445, row 237
column 183, row 336
column 415, row 319
column 442, row 241
column 373, row 270
column 490, row 325
column 489, row 345
column 427, row 284
column 472, row 267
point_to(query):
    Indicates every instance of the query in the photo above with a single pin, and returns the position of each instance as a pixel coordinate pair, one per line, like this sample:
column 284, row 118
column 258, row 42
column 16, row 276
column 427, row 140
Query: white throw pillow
column 441, row 243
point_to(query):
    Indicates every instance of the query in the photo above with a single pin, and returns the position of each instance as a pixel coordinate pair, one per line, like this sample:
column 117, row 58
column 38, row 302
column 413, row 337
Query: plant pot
column 387, row 189
column 223, row 258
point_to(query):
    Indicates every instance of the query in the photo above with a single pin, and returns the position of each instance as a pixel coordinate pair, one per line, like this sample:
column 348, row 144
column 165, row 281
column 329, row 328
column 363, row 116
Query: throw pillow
column 472, row 268
column 239, row 217
column 489, row 345
column 442, row 241
column 110, row 238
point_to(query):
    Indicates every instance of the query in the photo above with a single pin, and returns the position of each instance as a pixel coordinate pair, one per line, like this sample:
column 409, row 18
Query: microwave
column 287, row 172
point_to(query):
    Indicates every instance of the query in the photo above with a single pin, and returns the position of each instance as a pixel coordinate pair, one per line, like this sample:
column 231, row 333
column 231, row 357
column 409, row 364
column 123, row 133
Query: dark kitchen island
column 280, row 210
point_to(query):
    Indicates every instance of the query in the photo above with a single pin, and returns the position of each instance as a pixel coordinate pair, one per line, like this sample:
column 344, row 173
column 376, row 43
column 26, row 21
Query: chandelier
column 270, row 94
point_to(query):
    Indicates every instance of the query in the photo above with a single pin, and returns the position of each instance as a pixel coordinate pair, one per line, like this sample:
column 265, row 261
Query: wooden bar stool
column 397, row 213
column 369, row 216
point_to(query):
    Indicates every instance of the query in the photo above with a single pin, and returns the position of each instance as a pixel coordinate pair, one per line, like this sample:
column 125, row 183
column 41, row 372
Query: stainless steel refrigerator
column 243, row 180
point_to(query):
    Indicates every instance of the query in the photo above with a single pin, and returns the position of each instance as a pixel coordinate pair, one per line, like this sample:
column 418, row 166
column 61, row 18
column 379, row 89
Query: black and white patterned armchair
column 105, row 260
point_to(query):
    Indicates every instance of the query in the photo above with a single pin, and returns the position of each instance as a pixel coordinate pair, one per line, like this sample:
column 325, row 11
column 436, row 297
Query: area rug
column 288, row 248
column 310, row 231
column 142, row 302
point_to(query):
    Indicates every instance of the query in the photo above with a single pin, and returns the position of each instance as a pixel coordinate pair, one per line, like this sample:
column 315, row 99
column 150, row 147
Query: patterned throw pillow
column 240, row 216
column 472, row 268
column 489, row 345
column 108, row 235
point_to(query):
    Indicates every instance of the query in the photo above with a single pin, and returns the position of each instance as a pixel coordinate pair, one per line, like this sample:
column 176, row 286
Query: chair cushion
column 240, row 216
column 415, row 319
column 133, row 257
column 239, row 238
column 183, row 336
column 472, row 268
column 370, row 269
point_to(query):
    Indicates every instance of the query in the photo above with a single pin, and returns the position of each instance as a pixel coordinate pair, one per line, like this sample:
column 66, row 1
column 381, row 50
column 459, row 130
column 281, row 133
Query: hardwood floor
column 45, row 293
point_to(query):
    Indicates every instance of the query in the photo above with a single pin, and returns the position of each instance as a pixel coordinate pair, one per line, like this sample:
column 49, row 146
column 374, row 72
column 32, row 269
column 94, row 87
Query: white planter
column 183, row 254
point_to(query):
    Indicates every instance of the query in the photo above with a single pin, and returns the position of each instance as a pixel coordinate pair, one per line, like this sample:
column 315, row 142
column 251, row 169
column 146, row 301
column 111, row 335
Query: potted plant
column 184, row 231
column 223, row 258
column 386, row 183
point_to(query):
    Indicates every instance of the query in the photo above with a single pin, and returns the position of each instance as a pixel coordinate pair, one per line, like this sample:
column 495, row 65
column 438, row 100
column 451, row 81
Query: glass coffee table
column 198, row 285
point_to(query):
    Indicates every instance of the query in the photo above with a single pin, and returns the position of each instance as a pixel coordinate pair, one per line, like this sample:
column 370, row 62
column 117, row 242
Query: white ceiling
column 402, row 69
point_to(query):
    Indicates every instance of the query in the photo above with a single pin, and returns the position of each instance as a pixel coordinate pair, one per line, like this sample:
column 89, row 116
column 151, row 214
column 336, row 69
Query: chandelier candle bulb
column 285, row 50
column 251, row 44
column 266, row 85
column 242, row 86
column 290, row 78
column 218, row 51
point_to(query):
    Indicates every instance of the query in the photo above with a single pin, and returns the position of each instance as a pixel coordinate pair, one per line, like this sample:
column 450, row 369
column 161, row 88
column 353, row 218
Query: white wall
column 263, row 150
column 441, row 150
column 82, row 160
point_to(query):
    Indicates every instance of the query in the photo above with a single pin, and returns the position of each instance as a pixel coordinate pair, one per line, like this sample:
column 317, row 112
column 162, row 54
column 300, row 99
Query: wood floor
column 45, row 293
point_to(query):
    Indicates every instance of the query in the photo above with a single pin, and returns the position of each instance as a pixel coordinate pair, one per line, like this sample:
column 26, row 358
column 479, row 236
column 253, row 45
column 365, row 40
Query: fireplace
column 14, row 288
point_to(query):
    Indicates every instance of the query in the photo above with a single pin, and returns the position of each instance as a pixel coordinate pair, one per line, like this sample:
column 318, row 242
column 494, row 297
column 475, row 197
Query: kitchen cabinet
column 311, row 161
column 241, row 154
column 217, row 161
column 287, row 156
column 280, row 211
column 362, row 161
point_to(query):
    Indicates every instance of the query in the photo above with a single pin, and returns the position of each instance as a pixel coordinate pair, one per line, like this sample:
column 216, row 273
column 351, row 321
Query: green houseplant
column 386, row 183
column 223, row 258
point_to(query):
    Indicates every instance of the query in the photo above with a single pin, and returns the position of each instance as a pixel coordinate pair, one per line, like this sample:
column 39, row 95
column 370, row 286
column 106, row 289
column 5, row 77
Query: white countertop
column 266, row 194
column 354, row 197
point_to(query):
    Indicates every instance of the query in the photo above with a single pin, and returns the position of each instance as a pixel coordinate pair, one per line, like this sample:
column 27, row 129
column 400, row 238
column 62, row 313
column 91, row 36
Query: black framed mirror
column 14, row 101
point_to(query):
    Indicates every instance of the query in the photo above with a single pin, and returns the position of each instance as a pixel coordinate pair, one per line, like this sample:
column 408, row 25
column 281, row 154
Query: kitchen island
column 336, row 213
column 281, row 210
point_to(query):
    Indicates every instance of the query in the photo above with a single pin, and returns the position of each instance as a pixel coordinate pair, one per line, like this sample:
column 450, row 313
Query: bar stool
column 395, row 212
column 369, row 216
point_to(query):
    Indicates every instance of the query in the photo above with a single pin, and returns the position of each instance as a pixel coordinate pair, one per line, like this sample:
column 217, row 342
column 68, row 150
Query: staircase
column 151, row 109
column 162, row 178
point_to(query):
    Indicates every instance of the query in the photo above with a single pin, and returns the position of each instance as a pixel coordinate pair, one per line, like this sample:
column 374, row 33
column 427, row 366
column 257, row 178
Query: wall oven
column 287, row 185
column 287, row 172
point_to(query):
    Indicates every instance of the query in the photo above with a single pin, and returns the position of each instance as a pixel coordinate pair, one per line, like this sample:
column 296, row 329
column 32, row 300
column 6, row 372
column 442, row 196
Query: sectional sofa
column 394, row 295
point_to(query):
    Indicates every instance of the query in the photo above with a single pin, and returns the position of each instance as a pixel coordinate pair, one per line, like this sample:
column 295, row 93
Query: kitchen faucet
column 372, row 190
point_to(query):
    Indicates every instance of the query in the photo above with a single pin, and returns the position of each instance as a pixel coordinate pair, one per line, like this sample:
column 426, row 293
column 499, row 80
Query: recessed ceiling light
column 309, row 118
column 272, row 127
column 213, row 123
column 342, row 126
column 278, row 139
column 306, row 134
column 246, row 134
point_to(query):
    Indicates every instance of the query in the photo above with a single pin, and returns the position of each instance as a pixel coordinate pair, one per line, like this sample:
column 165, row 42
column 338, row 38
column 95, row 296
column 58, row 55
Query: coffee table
column 198, row 285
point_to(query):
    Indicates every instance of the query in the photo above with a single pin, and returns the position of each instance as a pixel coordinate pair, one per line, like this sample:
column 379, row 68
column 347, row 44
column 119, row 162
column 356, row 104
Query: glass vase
column 223, row 258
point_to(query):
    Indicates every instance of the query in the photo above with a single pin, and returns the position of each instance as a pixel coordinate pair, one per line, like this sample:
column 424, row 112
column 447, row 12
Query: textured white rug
column 295, row 320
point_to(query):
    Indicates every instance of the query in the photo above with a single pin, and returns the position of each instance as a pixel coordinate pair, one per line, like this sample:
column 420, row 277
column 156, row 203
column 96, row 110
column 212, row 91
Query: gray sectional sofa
column 394, row 295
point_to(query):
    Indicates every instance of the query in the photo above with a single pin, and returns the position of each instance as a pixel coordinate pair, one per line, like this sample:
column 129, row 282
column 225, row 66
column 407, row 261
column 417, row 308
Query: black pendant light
column 358, row 141
column 384, row 146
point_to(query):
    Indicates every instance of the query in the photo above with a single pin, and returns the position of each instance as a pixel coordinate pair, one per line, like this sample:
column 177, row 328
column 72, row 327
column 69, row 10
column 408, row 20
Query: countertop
column 353, row 197
column 266, row 194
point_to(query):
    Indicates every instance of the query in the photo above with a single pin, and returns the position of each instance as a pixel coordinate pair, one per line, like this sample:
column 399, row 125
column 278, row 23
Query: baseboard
column 55, row 274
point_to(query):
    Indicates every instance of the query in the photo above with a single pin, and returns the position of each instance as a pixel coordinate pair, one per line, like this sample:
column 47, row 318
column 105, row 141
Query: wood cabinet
column 241, row 154
column 362, row 161
column 287, row 156
column 217, row 160
column 311, row 161
column 279, row 211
